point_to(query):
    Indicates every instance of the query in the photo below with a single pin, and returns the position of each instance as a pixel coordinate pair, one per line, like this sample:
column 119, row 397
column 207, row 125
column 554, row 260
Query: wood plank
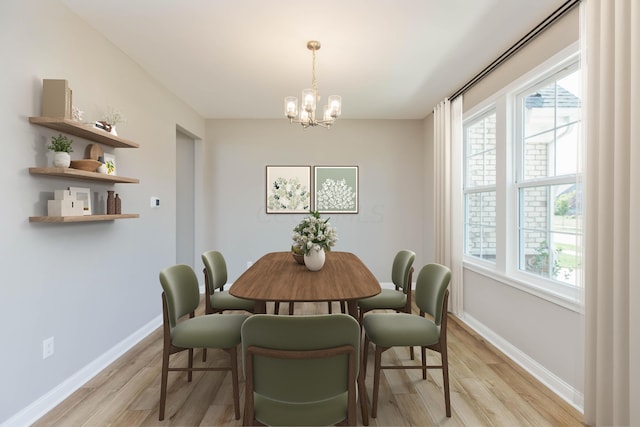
column 84, row 218
column 84, row 175
column 83, row 131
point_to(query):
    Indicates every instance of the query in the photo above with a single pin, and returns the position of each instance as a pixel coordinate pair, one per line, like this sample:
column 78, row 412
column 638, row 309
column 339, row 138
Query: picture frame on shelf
column 82, row 195
column 336, row 189
column 288, row 189
column 110, row 163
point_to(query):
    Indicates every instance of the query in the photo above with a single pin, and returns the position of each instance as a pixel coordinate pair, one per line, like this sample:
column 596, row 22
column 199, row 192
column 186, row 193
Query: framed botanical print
column 288, row 189
column 336, row 189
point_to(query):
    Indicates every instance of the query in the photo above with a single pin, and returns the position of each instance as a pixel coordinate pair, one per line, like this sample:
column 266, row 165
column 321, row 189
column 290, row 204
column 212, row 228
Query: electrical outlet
column 47, row 347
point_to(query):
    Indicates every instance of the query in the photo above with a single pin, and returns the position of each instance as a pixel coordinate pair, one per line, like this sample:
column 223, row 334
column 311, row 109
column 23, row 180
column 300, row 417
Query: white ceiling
column 388, row 59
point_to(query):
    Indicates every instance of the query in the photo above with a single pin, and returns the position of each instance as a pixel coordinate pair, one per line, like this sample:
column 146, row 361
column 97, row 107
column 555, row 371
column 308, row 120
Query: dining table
column 277, row 276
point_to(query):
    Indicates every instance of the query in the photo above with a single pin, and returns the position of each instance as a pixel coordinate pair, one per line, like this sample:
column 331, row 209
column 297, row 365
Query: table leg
column 352, row 308
column 260, row 307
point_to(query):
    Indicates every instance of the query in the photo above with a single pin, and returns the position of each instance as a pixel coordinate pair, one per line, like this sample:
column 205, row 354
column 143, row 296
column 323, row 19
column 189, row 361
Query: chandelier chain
column 314, row 83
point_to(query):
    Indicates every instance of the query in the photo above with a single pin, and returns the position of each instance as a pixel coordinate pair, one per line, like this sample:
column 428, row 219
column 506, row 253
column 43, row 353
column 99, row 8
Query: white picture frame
column 82, row 195
column 110, row 158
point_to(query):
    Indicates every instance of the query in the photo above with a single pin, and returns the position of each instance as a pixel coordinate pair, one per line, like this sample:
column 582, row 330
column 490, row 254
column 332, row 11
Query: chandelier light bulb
column 291, row 106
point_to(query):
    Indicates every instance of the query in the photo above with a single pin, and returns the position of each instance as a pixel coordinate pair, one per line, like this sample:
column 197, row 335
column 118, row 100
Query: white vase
column 314, row 260
column 61, row 159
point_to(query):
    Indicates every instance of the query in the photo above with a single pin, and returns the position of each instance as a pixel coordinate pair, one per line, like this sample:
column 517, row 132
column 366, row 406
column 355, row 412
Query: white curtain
column 447, row 140
column 612, row 229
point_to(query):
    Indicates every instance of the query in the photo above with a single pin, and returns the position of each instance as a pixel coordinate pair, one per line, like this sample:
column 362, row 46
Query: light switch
column 155, row 202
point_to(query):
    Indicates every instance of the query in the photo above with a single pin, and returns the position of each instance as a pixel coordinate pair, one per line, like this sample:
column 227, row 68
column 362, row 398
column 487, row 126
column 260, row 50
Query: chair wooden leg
column 190, row 373
column 365, row 354
column 291, row 309
column 330, row 311
column 204, row 354
column 276, row 307
column 376, row 379
column 362, row 396
column 445, row 381
column 423, row 351
column 163, row 382
column 411, row 354
column 233, row 354
column 343, row 308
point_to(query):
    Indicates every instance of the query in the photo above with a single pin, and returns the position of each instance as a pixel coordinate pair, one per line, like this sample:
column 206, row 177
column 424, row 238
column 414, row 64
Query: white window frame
column 506, row 267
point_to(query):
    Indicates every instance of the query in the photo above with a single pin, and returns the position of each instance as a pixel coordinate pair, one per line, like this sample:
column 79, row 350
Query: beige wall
column 92, row 286
column 390, row 157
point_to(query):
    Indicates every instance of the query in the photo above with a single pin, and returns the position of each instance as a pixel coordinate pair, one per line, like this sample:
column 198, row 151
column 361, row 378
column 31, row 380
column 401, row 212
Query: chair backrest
column 181, row 290
column 216, row 270
column 301, row 369
column 401, row 270
column 431, row 287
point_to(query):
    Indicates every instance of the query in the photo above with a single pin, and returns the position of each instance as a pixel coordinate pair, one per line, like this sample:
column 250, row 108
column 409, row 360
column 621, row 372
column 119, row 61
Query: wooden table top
column 278, row 277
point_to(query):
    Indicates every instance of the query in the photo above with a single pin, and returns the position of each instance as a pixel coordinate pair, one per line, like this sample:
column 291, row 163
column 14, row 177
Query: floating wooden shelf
column 92, row 134
column 85, row 218
column 85, row 131
column 84, row 175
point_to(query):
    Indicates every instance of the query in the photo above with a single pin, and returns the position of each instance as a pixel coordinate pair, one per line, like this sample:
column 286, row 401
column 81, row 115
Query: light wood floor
column 487, row 389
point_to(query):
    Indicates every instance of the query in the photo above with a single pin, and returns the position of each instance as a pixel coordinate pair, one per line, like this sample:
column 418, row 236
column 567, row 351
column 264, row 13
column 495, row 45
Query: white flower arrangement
column 313, row 233
column 113, row 117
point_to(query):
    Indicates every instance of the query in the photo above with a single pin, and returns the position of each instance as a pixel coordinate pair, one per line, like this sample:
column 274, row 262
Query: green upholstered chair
column 215, row 278
column 387, row 330
column 398, row 299
column 180, row 299
column 300, row 370
column 216, row 299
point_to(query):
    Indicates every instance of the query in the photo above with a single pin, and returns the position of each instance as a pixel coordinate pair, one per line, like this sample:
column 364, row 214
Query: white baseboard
column 563, row 389
column 51, row 399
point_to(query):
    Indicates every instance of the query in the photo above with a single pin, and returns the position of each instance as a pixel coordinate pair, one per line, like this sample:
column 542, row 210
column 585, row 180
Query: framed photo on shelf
column 336, row 189
column 110, row 163
column 82, row 195
column 288, row 189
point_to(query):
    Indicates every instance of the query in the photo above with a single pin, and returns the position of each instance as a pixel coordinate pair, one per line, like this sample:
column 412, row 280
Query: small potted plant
column 61, row 147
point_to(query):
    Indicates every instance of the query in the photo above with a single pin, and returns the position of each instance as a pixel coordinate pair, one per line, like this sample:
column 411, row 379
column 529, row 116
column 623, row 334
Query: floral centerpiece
column 313, row 232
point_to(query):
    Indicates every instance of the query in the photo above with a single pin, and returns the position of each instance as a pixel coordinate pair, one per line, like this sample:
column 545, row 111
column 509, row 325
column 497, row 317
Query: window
column 522, row 185
column 549, row 192
column 480, row 187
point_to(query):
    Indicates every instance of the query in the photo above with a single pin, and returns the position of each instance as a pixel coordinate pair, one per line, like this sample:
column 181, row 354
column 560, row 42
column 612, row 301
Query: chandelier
column 305, row 114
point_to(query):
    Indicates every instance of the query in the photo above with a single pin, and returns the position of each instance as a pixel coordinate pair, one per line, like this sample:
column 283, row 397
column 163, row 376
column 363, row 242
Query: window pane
column 480, row 229
column 550, row 231
column 551, row 128
column 480, row 152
